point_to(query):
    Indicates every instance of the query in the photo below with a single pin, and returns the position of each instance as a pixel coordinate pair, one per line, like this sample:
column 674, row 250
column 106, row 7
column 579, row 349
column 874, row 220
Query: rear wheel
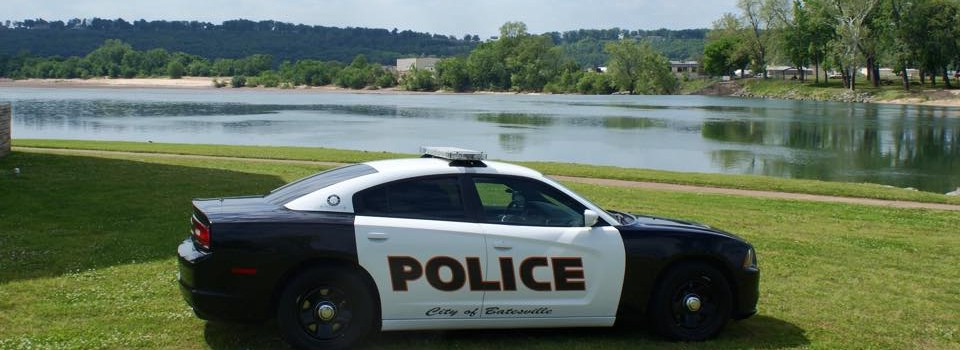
column 692, row 302
column 325, row 308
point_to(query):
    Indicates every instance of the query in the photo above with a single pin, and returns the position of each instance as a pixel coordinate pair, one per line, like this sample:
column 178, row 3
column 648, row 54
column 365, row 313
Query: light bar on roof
column 453, row 153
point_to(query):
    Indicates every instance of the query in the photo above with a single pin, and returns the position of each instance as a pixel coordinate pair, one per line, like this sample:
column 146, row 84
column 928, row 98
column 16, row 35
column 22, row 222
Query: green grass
column 693, row 86
column 87, row 260
column 830, row 90
column 749, row 182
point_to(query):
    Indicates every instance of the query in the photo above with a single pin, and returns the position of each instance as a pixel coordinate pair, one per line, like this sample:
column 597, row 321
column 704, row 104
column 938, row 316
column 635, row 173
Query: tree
column 758, row 20
column 638, row 69
column 731, row 28
column 418, row 80
column 794, row 35
column 718, row 57
column 532, row 63
column 594, row 83
column 851, row 17
column 821, row 31
column 106, row 60
column 513, row 30
column 932, row 31
column 487, row 68
column 175, row 69
column 452, row 74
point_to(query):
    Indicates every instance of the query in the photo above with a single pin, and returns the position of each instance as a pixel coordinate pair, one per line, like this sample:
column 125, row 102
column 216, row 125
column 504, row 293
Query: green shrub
column 238, row 81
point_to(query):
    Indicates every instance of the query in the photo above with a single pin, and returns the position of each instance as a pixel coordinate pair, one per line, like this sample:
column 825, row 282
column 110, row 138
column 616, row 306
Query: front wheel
column 691, row 303
column 325, row 308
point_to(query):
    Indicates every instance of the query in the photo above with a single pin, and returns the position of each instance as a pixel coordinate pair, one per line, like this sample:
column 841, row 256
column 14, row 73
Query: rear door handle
column 502, row 245
column 377, row 236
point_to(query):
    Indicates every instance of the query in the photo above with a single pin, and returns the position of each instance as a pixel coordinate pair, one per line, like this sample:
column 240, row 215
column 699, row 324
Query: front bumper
column 748, row 293
column 211, row 291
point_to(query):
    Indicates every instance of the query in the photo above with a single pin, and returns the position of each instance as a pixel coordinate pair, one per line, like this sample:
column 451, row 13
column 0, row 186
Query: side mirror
column 590, row 218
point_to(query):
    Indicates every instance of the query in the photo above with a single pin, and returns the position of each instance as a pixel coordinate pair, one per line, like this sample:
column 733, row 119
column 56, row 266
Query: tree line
column 516, row 61
column 288, row 41
column 116, row 59
column 230, row 39
column 839, row 35
column 519, row 61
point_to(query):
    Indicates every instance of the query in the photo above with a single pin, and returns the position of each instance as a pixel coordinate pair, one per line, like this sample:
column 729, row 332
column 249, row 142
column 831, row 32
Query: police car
column 452, row 241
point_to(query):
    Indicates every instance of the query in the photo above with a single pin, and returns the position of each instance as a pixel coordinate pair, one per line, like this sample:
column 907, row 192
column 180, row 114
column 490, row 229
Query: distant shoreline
column 201, row 83
column 946, row 98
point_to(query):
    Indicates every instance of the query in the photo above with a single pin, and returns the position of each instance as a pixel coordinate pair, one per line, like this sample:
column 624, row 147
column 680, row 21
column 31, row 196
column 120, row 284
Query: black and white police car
column 452, row 241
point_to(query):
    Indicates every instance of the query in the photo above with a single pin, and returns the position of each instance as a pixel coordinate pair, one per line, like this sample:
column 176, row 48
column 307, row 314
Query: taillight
column 201, row 233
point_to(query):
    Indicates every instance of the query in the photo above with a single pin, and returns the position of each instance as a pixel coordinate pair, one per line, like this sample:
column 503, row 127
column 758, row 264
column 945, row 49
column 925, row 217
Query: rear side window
column 427, row 198
column 315, row 182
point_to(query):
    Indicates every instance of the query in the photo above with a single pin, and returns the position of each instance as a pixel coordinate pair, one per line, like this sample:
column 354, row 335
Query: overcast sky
column 452, row 17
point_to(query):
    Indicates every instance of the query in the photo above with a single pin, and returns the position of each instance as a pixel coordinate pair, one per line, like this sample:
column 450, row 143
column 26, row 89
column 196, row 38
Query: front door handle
column 502, row 245
column 377, row 236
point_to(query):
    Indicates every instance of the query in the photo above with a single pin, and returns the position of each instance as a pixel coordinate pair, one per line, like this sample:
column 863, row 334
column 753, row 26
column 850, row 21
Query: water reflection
column 649, row 107
column 516, row 119
column 631, row 123
column 512, row 143
column 54, row 109
column 896, row 145
column 857, row 145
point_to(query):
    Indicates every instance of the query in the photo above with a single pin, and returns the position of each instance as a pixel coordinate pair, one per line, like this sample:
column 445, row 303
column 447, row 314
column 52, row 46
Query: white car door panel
column 421, row 267
column 548, row 264
column 559, row 272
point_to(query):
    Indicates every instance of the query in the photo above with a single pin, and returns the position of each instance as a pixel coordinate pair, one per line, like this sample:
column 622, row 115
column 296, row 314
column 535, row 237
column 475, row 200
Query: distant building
column 787, row 72
column 689, row 68
column 404, row 65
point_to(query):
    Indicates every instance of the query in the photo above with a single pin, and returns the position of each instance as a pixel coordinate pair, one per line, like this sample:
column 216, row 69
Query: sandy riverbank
column 183, row 83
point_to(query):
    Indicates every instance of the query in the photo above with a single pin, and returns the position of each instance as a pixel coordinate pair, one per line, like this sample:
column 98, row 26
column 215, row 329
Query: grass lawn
column 765, row 183
column 827, row 91
column 87, row 260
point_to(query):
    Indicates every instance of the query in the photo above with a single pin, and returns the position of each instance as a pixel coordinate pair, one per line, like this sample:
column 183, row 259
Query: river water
column 903, row 146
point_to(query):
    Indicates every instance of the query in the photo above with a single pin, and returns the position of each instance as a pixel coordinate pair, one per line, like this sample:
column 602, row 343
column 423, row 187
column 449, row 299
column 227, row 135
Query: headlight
column 750, row 260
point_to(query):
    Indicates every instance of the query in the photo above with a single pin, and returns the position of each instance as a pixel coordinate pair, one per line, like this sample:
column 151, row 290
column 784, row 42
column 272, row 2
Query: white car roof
column 339, row 197
column 412, row 167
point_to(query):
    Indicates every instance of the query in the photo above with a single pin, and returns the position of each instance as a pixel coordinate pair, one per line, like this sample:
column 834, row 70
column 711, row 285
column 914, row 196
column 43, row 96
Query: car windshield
column 307, row 185
column 577, row 195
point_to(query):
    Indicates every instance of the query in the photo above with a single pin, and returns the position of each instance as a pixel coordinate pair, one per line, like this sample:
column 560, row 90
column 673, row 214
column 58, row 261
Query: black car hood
column 654, row 223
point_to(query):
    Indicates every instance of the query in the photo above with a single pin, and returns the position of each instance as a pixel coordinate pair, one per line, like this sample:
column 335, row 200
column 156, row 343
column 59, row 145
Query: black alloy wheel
column 325, row 313
column 326, row 308
column 692, row 303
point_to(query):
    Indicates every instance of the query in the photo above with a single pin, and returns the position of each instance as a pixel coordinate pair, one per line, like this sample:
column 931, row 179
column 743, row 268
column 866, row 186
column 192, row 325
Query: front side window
column 427, row 198
column 517, row 201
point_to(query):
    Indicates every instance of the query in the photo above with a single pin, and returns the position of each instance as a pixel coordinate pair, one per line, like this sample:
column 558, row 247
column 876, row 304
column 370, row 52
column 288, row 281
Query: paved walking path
column 594, row 181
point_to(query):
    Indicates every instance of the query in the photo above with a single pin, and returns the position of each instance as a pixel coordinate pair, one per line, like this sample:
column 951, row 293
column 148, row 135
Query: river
column 904, row 146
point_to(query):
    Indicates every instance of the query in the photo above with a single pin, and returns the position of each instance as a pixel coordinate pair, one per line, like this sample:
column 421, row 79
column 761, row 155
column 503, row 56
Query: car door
column 548, row 264
column 418, row 242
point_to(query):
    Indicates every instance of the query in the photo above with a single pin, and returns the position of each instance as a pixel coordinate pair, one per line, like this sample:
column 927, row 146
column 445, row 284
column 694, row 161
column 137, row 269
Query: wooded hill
column 287, row 41
column 231, row 39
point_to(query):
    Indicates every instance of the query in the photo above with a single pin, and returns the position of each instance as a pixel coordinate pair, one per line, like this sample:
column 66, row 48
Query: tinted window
column 515, row 201
column 429, row 198
column 309, row 184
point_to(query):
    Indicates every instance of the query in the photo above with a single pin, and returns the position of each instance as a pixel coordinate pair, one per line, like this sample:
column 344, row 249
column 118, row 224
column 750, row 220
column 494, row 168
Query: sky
column 450, row 17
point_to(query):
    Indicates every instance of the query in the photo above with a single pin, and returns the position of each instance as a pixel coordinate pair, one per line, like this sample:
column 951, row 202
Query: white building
column 404, row 65
column 689, row 68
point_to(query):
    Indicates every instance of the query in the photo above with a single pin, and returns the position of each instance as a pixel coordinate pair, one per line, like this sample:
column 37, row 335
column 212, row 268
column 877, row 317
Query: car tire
column 692, row 302
column 326, row 308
